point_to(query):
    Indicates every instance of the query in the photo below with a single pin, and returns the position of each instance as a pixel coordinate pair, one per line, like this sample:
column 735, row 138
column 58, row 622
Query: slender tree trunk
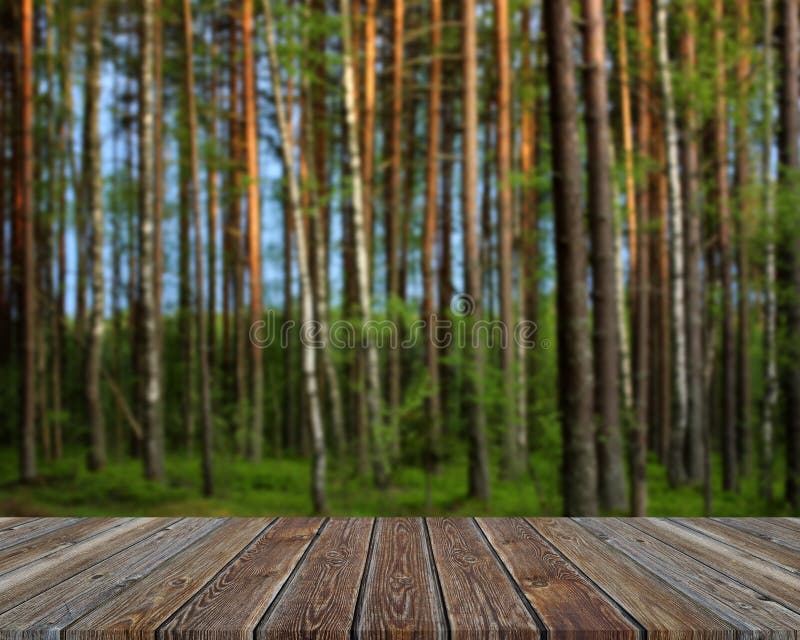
column 574, row 348
column 677, row 471
column 185, row 324
column 770, row 302
column 206, row 416
column 729, row 471
column 694, row 455
column 514, row 456
column 212, row 203
column 151, row 371
column 434, row 414
column 789, row 158
column 158, row 168
column 627, row 133
column 93, row 176
column 743, row 388
column 27, row 458
column 611, row 479
column 253, row 228
column 309, row 363
column 380, row 461
column 642, row 290
column 368, row 129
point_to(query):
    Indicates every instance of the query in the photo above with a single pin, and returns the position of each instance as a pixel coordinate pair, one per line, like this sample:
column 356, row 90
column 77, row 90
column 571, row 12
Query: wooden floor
column 229, row 579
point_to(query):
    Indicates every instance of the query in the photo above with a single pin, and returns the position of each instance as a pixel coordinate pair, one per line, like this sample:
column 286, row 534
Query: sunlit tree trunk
column 677, row 471
column 579, row 464
column 212, row 203
column 253, row 228
column 93, row 176
column 206, row 416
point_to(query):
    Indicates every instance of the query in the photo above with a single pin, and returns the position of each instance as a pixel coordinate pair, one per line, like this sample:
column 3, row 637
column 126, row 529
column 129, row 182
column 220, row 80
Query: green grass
column 282, row 487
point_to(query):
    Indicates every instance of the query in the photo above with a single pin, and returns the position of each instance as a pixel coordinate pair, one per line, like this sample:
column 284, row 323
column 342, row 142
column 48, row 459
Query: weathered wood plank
column 45, row 615
column 28, row 530
column 771, row 580
column 321, row 598
column 7, row 522
column 136, row 613
column 400, row 596
column 743, row 607
column 48, row 544
column 764, row 549
column 479, row 598
column 27, row 581
column 793, row 524
column 664, row 612
column 766, row 529
column 549, row 581
column 233, row 603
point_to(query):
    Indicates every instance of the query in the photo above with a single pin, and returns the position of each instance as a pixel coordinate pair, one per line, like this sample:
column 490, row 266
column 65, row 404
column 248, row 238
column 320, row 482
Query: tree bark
column 579, row 464
column 93, row 176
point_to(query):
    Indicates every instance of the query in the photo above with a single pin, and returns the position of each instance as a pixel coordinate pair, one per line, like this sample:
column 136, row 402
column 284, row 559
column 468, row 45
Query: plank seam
column 437, row 579
column 627, row 614
column 159, row 632
column 766, row 597
column 94, row 564
column 276, row 598
column 362, row 583
column 543, row 631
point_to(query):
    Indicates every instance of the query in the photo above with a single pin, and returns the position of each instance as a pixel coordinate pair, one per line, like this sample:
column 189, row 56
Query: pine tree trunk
column 206, row 416
column 151, row 370
column 611, row 479
column 579, row 465
column 476, row 417
column 677, row 444
column 309, row 362
column 93, row 176
column 212, row 203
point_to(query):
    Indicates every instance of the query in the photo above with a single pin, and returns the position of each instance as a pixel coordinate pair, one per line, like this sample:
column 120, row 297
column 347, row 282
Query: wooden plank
column 400, row 597
column 793, row 524
column 664, row 612
column 48, row 544
column 321, row 598
column 779, row 584
column 136, row 614
column 31, row 529
column 44, row 616
column 7, row 522
column 766, row 529
column 743, row 607
column 480, row 599
column 25, row 582
column 233, row 603
column 764, row 549
column 548, row 581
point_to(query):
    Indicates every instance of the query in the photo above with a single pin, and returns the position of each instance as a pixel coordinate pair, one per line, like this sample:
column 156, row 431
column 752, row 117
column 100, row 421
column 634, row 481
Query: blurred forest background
column 605, row 193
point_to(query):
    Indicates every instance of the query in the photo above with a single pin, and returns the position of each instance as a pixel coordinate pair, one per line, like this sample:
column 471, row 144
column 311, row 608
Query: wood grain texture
column 233, row 603
column 400, row 596
column 8, row 522
column 45, row 615
column 30, row 529
column 549, row 581
column 664, row 612
column 793, row 524
column 740, row 605
column 479, row 598
column 21, row 554
column 766, row 529
column 321, row 598
column 764, row 549
column 25, row 582
column 774, row 582
column 137, row 612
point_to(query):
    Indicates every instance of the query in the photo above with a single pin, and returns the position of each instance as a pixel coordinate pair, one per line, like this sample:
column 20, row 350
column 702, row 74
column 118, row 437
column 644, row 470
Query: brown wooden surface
column 253, row 579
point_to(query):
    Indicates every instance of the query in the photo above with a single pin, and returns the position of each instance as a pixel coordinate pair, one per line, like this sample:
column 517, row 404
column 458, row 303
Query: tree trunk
column 185, row 328
column 380, row 462
column 368, row 129
column 253, row 228
column 93, row 177
column 212, row 203
column 627, row 134
column 433, row 408
column 309, row 363
column 206, row 416
column 579, row 465
column 729, row 471
column 24, row 147
column 789, row 163
column 677, row 444
column 151, row 371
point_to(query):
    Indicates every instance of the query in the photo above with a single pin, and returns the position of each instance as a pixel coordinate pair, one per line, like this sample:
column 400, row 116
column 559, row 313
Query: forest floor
column 282, row 487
